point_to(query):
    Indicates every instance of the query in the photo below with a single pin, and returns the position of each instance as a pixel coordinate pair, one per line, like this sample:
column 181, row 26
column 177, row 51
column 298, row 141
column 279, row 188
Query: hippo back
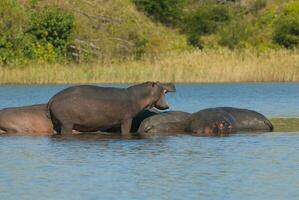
column 249, row 120
column 165, row 123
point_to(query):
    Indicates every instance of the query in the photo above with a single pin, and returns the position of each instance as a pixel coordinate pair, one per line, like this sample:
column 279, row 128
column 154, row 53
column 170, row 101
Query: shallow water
column 243, row 166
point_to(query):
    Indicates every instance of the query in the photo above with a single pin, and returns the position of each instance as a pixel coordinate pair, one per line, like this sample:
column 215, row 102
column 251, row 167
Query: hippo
column 249, row 120
column 212, row 122
column 166, row 123
column 137, row 120
column 26, row 120
column 140, row 117
column 89, row 108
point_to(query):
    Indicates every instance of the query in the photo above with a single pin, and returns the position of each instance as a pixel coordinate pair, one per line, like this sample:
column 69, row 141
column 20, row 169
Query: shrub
column 258, row 5
column 206, row 20
column 53, row 26
column 286, row 29
column 235, row 34
column 169, row 12
column 13, row 21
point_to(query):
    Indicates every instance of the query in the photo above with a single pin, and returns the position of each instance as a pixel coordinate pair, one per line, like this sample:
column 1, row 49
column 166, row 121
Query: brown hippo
column 88, row 108
column 212, row 122
column 248, row 120
column 26, row 120
column 166, row 123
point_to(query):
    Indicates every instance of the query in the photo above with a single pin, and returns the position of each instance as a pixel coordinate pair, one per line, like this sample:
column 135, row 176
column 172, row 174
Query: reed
column 207, row 66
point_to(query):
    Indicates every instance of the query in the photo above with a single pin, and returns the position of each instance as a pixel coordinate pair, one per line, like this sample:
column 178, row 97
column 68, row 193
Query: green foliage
column 12, row 23
column 44, row 36
column 258, row 5
column 206, row 20
column 169, row 12
column 42, row 30
column 53, row 27
column 286, row 30
column 235, row 34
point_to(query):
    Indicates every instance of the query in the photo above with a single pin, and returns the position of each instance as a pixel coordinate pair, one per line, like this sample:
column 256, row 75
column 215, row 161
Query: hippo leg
column 126, row 126
column 66, row 129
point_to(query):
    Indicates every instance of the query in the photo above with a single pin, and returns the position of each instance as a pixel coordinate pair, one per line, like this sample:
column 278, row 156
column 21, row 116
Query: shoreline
column 285, row 124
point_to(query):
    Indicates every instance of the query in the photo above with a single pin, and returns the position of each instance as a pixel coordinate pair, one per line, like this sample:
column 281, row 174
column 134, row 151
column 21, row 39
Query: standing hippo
column 212, row 122
column 88, row 108
column 248, row 120
column 165, row 123
column 26, row 120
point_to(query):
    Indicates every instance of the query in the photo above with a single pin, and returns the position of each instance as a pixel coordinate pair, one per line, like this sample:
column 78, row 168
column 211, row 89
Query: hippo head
column 158, row 92
column 152, row 94
column 221, row 128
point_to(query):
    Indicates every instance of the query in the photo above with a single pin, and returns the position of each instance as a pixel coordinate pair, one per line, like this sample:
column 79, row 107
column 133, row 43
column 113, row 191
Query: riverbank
column 197, row 66
column 285, row 124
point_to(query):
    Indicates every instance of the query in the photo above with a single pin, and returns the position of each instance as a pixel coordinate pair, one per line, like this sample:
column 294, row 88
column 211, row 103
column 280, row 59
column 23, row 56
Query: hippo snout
column 161, row 104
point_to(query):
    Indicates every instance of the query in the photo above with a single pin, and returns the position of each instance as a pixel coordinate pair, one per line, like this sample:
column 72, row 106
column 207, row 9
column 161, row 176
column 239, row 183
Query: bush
column 286, row 29
column 53, row 26
column 169, row 12
column 206, row 20
column 258, row 5
column 236, row 34
column 13, row 21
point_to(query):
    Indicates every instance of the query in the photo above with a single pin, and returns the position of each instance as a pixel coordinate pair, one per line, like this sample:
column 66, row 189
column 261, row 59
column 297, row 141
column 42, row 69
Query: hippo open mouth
column 162, row 104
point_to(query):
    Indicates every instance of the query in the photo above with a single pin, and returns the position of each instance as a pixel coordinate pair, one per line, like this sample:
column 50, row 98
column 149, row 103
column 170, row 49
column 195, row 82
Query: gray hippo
column 212, row 122
column 164, row 124
column 26, row 120
column 88, row 108
column 137, row 120
column 248, row 120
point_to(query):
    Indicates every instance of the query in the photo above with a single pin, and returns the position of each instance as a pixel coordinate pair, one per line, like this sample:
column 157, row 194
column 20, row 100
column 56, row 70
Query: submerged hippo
column 26, row 120
column 248, row 120
column 165, row 123
column 212, row 122
column 88, row 108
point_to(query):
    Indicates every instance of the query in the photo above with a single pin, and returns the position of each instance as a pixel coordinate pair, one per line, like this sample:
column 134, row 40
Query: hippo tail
column 269, row 124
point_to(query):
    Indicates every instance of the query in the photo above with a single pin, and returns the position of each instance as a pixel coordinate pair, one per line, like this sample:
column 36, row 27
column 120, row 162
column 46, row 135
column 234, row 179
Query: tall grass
column 206, row 66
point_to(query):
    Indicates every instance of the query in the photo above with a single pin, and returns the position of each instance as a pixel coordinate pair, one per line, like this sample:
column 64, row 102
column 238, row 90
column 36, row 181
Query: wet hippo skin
column 88, row 108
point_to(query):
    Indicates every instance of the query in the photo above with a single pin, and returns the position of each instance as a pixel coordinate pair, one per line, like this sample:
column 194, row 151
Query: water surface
column 243, row 166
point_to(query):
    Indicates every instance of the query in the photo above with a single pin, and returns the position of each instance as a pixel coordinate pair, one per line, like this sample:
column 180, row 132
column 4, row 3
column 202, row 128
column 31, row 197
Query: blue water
column 244, row 166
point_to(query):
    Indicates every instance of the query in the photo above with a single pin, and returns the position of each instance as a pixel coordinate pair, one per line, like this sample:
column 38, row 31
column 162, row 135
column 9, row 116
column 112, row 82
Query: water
column 244, row 166
column 273, row 100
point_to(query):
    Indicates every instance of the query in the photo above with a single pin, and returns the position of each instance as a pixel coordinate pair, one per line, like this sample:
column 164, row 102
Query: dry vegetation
column 189, row 67
column 286, row 124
